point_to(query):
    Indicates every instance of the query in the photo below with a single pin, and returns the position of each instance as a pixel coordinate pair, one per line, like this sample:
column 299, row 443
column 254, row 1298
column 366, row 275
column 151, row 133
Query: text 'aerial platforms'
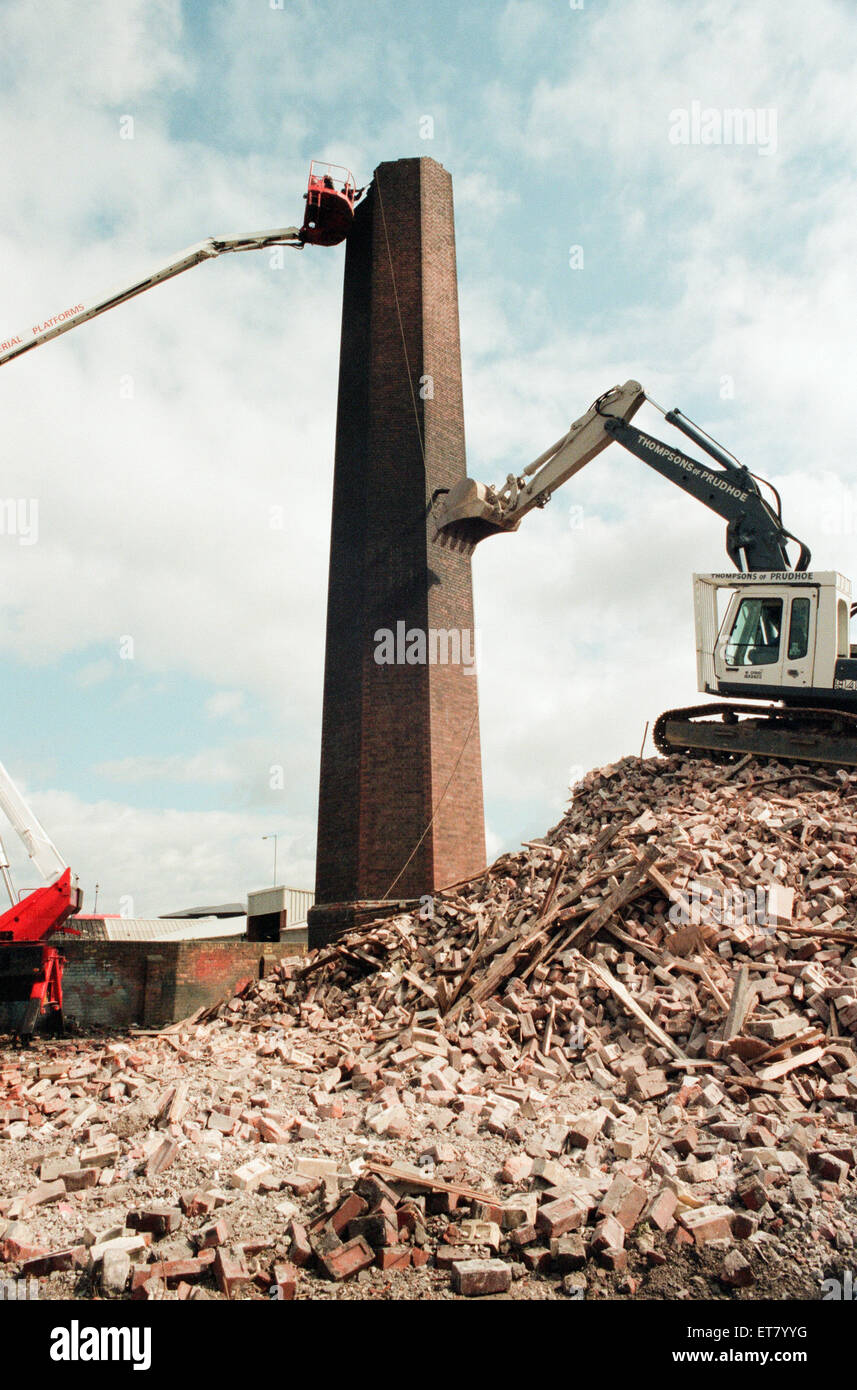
column 778, row 633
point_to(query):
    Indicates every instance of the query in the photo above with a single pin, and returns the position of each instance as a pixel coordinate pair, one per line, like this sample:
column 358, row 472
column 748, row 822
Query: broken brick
column 160, row 1221
column 349, row 1258
column 625, row 1200
column 285, row 1282
column 475, row 1278
column 230, row 1271
column 555, row 1218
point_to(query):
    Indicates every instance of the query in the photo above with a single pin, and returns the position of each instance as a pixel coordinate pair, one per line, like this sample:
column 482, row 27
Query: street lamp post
column 274, row 838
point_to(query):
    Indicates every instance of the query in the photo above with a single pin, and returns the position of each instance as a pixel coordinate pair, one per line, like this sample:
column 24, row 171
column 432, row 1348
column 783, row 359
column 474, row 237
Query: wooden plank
column 605, row 839
column 625, row 997
column 712, row 989
column 555, row 945
column 495, row 976
column 742, row 993
column 415, row 1177
column 546, row 1045
column 646, row 952
column 673, row 895
column 171, row 1027
column 552, row 944
column 475, row 953
column 812, row 1035
column 749, row 1082
column 778, row 1069
column 827, row 933
column 554, row 884
column 615, row 900
column 413, row 978
column 695, row 1064
column 179, row 1104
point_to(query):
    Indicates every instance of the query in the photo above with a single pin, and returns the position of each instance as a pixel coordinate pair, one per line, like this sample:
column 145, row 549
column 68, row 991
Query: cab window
column 842, row 637
column 755, row 636
column 799, row 629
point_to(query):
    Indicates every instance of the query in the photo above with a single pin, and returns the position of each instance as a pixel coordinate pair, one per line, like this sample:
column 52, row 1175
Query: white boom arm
column 194, row 255
column 38, row 844
column 488, row 509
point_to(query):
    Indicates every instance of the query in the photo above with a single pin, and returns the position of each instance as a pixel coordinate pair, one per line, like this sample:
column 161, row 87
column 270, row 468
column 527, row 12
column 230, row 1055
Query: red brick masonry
column 393, row 734
column 116, row 983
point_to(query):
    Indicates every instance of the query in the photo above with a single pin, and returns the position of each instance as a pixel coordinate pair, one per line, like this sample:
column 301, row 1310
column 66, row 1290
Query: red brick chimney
column 400, row 806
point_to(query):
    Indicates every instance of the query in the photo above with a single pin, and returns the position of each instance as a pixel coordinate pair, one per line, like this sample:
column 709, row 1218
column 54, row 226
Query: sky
column 162, row 641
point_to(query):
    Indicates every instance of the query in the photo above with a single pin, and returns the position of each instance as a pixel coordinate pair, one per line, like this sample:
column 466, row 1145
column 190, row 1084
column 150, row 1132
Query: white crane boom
column 38, row 844
column 36, row 840
column 17, row 344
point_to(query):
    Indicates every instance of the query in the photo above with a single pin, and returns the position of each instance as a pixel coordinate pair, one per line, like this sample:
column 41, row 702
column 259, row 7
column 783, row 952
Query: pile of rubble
column 624, row 1050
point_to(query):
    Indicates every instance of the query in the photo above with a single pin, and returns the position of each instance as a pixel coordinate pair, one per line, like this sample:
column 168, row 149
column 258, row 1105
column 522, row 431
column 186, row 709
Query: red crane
column 30, row 970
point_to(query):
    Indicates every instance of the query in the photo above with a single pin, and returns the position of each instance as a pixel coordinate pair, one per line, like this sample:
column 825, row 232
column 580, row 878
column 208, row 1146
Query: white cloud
column 211, row 768
column 162, row 860
column 93, row 673
column 110, row 52
column 159, row 514
column 226, row 704
column 247, row 774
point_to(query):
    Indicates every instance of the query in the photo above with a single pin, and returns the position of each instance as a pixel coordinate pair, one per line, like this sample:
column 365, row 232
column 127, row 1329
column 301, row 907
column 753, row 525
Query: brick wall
column 113, row 984
column 395, row 737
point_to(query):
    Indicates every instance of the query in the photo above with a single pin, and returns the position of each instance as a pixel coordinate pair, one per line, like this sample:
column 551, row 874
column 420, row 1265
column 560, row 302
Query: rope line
column 437, row 807
column 404, row 340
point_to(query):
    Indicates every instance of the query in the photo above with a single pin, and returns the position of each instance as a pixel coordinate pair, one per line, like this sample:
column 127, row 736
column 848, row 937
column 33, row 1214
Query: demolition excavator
column 776, row 632
column 30, row 970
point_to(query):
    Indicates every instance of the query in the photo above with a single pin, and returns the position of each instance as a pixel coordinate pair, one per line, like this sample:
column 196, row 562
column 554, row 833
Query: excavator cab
column 330, row 198
column 779, row 637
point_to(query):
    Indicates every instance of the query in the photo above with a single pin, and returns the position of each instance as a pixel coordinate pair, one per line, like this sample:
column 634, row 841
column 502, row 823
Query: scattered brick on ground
column 620, row 1063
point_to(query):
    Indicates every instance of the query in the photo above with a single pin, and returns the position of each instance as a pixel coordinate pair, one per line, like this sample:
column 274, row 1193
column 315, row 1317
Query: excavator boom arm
column 472, row 511
column 756, row 539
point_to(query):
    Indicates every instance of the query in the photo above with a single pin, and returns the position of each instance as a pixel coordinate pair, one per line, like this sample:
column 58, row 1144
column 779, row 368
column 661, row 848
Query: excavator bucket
column 468, row 514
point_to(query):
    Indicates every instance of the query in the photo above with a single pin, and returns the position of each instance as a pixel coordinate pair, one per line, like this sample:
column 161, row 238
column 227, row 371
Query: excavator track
column 781, row 732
